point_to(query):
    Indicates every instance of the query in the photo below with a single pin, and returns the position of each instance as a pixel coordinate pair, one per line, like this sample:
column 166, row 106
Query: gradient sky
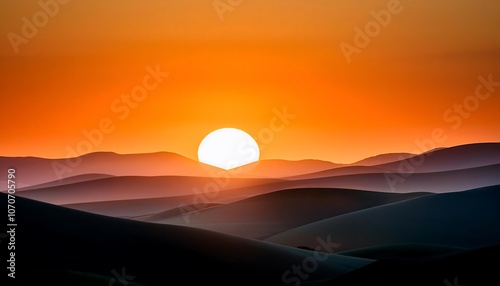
column 233, row 72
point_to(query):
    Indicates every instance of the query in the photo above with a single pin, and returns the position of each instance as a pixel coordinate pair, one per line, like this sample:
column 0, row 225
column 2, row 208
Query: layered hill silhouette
column 159, row 216
column 55, row 172
column 446, row 170
column 264, row 215
column 134, row 187
column 61, row 245
column 233, row 189
column 40, row 170
column 466, row 219
column 36, row 171
column 440, row 160
column 135, row 208
column 459, row 267
column 383, row 159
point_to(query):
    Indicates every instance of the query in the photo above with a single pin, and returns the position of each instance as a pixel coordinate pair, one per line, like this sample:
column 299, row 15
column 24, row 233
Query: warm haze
column 238, row 142
column 240, row 69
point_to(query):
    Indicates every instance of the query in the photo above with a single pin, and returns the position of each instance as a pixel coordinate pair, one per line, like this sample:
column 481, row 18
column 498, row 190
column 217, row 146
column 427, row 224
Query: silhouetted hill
column 467, row 219
column 264, row 215
column 132, row 187
column 476, row 267
column 440, row 160
column 57, row 245
column 382, row 159
column 401, row 252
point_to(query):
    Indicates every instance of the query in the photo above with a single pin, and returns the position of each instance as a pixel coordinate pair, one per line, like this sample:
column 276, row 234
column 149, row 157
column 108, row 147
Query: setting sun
column 228, row 148
column 230, row 138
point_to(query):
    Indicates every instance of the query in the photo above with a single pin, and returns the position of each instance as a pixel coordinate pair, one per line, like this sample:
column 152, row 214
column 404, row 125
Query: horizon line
column 269, row 159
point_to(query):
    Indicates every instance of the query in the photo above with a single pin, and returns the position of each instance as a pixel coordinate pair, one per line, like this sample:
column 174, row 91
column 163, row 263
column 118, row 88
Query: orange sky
column 232, row 72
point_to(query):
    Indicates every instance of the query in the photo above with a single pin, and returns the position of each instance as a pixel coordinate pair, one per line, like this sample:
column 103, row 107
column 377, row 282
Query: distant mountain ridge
column 34, row 171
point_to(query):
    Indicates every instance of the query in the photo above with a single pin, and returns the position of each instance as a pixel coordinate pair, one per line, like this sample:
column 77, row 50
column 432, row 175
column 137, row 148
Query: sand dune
column 341, row 171
column 437, row 182
column 464, row 219
column 285, row 168
column 383, row 159
column 177, row 212
column 264, row 215
column 61, row 244
column 35, row 171
column 128, row 188
column 122, row 199
column 133, row 187
column 133, row 207
column 430, row 217
column 468, row 267
column 453, row 158
column 67, row 181
column 402, row 252
column 440, row 160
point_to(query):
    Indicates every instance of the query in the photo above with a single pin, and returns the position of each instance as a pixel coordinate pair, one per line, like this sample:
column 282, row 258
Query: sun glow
column 228, row 148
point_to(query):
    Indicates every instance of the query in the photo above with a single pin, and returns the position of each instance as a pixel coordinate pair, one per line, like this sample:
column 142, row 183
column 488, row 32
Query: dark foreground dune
column 477, row 267
column 468, row 219
column 268, row 214
column 60, row 246
column 401, row 252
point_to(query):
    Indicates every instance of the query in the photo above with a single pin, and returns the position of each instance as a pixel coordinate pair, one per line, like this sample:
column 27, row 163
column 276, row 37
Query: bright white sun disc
column 228, row 148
